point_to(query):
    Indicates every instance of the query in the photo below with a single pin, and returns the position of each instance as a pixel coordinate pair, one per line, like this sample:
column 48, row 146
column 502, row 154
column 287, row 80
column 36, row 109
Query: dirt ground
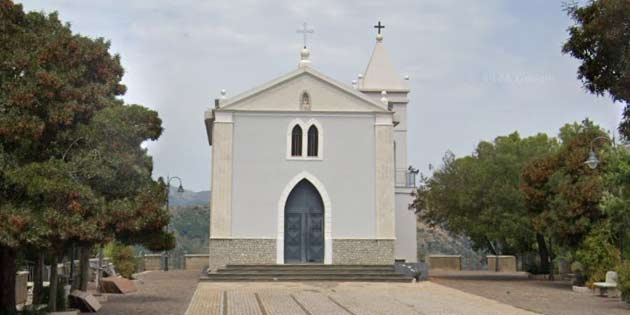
column 159, row 293
column 545, row 297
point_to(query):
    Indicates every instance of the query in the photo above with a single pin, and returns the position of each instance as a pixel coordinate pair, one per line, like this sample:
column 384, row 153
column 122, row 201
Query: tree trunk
column 543, row 252
column 52, row 293
column 72, row 279
column 551, row 264
column 84, row 267
column 8, row 269
column 38, row 279
column 99, row 272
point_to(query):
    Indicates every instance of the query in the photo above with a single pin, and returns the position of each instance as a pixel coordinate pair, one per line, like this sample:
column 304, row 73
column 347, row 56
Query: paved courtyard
column 328, row 298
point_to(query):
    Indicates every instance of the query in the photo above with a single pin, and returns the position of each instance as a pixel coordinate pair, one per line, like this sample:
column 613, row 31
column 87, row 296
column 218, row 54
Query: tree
column 615, row 203
column 478, row 195
column 561, row 193
column 50, row 80
column 600, row 38
column 72, row 170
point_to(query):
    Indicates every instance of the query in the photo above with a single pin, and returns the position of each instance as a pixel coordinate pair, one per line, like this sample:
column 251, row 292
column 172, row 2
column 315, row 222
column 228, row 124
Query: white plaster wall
column 400, row 137
column 221, row 179
column 261, row 172
column 406, row 245
column 384, row 178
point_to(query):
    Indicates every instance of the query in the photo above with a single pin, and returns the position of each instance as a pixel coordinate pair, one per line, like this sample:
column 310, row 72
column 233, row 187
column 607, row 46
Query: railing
column 406, row 178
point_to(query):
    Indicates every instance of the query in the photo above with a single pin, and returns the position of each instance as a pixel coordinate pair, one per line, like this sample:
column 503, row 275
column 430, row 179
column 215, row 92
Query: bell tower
column 382, row 82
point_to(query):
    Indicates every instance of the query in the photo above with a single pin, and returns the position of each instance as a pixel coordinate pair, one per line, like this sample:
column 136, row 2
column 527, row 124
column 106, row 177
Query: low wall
column 21, row 290
column 152, row 262
column 445, row 262
column 196, row 261
column 506, row 263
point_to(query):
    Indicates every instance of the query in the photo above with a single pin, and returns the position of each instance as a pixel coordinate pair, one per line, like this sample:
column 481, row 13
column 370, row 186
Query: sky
column 478, row 69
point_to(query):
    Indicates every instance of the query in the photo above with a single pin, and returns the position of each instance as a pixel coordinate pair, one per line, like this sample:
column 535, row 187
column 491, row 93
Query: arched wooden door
column 304, row 225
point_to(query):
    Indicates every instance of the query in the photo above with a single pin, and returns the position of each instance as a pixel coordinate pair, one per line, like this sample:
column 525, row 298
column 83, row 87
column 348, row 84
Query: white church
column 310, row 170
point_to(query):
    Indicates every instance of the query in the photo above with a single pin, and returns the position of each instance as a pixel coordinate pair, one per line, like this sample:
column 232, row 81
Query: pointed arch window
column 313, row 141
column 296, row 141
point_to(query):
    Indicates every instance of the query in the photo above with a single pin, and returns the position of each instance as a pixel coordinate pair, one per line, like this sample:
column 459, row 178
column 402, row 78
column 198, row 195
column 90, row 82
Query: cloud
column 478, row 69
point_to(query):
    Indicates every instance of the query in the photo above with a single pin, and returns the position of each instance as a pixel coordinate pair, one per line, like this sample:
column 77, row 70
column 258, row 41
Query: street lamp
column 180, row 190
column 592, row 160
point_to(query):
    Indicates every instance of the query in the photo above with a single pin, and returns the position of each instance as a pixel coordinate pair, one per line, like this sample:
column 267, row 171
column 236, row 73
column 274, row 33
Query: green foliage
column 122, row 257
column 72, row 169
column 597, row 253
column 615, row 203
column 191, row 224
column 600, row 39
column 478, row 195
column 562, row 195
column 623, row 283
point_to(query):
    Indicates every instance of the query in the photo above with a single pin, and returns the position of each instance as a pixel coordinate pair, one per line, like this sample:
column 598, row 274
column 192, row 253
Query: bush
column 624, row 280
column 122, row 257
column 597, row 254
column 578, row 269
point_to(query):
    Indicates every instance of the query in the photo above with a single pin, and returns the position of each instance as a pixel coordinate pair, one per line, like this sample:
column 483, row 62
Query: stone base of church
column 241, row 251
column 363, row 251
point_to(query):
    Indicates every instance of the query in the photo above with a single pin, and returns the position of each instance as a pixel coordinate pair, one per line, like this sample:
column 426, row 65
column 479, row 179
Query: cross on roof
column 379, row 26
column 305, row 31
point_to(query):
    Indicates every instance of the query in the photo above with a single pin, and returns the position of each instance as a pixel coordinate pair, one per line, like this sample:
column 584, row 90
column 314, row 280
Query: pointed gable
column 380, row 74
column 287, row 94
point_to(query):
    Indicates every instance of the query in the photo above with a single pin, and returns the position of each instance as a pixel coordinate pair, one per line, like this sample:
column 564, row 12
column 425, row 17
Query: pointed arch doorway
column 304, row 225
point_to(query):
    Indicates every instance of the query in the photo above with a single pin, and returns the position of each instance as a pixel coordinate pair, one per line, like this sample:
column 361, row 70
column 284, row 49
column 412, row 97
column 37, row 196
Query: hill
column 437, row 241
column 188, row 197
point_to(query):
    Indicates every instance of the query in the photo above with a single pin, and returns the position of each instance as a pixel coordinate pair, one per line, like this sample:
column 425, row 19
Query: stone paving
column 330, row 298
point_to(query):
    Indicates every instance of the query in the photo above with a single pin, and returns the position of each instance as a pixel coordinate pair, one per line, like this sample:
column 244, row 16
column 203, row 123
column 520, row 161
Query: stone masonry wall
column 241, row 251
column 363, row 252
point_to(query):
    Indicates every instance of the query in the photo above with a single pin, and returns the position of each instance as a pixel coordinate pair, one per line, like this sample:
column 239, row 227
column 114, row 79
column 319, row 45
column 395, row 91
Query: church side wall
column 221, row 200
column 406, row 227
column 384, row 181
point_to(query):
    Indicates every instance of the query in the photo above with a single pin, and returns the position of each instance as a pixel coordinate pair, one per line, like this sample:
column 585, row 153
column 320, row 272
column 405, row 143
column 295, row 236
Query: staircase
column 307, row 272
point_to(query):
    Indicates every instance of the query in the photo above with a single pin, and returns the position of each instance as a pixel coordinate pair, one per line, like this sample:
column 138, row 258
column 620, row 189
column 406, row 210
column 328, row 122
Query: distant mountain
column 188, row 198
column 190, row 219
column 191, row 224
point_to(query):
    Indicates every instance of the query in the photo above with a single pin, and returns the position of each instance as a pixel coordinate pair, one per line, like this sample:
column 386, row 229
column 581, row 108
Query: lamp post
column 180, row 190
column 592, row 162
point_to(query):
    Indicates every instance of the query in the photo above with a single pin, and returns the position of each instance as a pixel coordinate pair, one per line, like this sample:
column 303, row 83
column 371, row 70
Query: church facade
column 306, row 169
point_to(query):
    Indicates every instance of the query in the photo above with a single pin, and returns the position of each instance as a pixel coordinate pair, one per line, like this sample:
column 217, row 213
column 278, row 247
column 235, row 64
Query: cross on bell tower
column 379, row 26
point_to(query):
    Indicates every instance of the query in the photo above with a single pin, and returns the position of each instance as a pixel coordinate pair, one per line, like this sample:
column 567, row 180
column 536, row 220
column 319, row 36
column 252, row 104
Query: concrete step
column 301, row 272
column 309, row 266
column 347, row 278
column 307, row 272
column 253, row 269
